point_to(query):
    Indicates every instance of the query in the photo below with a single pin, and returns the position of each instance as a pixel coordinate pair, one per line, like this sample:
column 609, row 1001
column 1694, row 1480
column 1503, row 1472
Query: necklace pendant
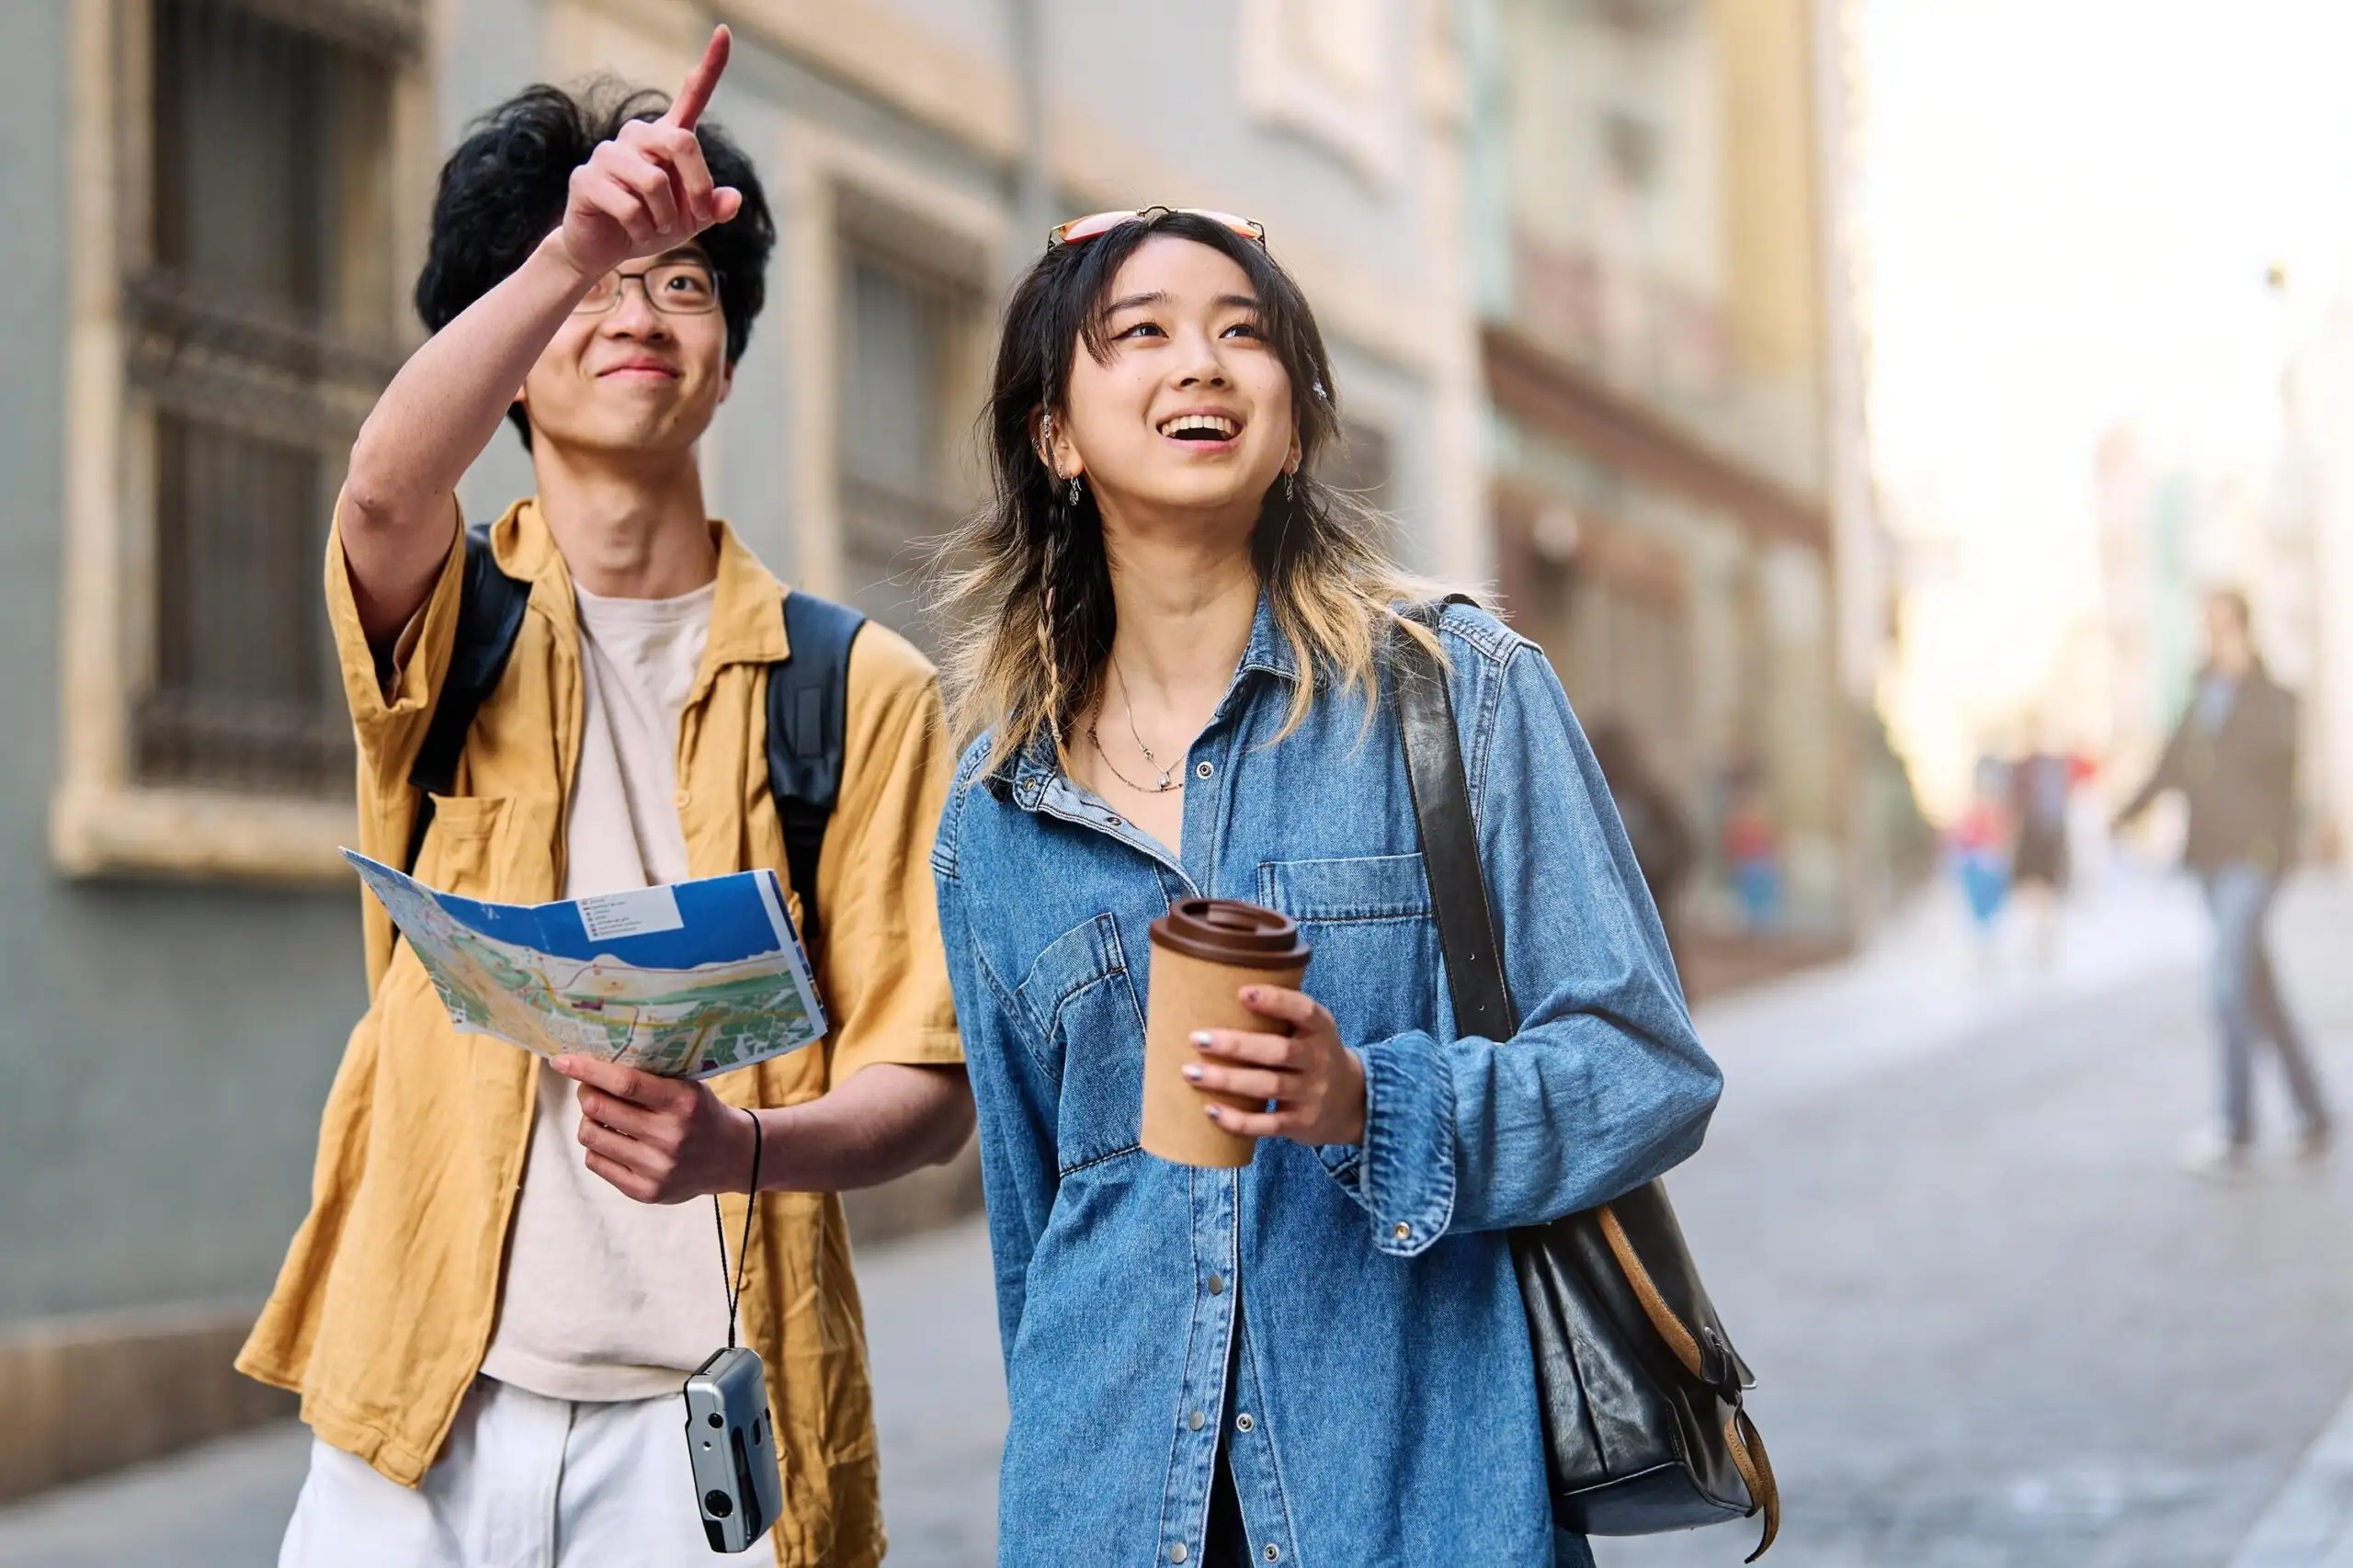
column 1165, row 785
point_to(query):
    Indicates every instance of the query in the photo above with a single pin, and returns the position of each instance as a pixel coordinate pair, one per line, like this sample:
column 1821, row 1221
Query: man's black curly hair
column 505, row 188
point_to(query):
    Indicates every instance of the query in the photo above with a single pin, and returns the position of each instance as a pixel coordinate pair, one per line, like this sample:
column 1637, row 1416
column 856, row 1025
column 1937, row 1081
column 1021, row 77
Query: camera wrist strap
column 735, row 1288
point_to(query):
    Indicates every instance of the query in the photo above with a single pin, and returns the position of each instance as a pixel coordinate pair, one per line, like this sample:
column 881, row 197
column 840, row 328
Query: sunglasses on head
column 1079, row 231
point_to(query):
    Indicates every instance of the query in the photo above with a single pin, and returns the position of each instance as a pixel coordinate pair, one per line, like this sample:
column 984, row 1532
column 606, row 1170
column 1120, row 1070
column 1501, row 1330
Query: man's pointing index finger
column 687, row 108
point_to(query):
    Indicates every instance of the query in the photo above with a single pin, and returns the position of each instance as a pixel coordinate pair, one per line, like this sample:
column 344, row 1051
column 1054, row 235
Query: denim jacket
column 1380, row 1406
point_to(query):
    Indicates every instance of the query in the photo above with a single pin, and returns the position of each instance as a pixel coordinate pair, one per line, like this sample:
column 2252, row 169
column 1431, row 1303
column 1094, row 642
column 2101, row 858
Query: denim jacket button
column 1274, row 1553
column 1243, row 1423
column 1204, row 770
column 1176, row 1552
column 1196, row 1421
column 1403, row 1231
column 1217, row 1284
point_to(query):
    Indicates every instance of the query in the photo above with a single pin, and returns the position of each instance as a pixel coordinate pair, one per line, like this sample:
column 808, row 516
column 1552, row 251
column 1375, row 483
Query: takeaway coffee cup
column 1204, row 950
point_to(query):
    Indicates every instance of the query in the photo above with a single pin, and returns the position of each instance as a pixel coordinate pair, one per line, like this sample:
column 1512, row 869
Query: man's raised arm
column 644, row 193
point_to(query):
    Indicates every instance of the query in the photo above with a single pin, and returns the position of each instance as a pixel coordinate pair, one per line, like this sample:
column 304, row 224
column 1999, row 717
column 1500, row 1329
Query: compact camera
column 732, row 1446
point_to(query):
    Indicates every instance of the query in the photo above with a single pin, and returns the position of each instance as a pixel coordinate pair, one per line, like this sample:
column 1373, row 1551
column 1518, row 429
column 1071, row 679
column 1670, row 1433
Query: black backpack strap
column 808, row 713
column 490, row 617
column 1466, row 923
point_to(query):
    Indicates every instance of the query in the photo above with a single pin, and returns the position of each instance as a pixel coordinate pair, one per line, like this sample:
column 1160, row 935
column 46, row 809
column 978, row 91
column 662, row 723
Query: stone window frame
column 838, row 193
column 103, row 819
column 1282, row 84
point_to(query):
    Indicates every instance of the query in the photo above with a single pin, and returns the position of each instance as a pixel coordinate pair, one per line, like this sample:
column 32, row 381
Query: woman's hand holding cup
column 1316, row 1082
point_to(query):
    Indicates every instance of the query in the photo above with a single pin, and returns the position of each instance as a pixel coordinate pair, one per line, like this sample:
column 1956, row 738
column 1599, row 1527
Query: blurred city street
column 1940, row 1209
column 1995, row 1323
column 1936, row 519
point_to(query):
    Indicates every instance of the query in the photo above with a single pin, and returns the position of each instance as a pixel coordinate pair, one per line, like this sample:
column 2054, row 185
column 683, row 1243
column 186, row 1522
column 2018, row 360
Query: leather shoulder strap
column 1469, row 939
column 490, row 617
column 807, row 701
column 1467, row 933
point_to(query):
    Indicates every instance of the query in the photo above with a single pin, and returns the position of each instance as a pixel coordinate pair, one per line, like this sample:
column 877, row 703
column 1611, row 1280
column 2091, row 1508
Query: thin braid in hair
column 1046, row 628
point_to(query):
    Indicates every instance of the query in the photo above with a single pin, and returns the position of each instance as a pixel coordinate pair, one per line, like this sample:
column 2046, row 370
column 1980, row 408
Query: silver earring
column 1291, row 487
column 1074, row 490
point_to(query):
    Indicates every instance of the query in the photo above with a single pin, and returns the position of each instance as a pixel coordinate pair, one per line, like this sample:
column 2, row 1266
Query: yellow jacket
column 389, row 1293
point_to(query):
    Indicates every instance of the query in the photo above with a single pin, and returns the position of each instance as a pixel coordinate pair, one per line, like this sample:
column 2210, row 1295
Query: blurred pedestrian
column 1752, row 850
column 502, row 1286
column 1176, row 687
column 1981, row 854
column 2234, row 756
column 1654, row 821
column 2040, row 862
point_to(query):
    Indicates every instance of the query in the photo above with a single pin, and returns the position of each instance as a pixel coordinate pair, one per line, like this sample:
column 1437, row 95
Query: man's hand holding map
column 685, row 981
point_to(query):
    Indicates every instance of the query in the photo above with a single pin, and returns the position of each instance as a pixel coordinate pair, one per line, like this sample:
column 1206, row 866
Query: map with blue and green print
column 689, row 980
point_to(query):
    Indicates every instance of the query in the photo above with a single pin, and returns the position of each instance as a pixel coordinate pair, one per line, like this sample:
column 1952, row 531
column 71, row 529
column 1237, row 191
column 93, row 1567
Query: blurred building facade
column 220, row 205
column 2158, row 529
column 1682, row 498
column 2317, row 489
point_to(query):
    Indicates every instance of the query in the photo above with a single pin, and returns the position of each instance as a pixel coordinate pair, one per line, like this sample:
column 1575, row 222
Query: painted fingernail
column 1211, row 1111
column 1201, row 1038
column 1194, row 1074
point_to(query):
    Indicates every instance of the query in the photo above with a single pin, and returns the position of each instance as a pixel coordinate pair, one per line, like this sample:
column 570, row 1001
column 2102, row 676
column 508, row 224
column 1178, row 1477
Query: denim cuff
column 1406, row 1180
column 1345, row 1164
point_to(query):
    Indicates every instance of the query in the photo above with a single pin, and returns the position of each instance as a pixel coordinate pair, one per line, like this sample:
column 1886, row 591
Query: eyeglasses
column 1094, row 225
column 674, row 287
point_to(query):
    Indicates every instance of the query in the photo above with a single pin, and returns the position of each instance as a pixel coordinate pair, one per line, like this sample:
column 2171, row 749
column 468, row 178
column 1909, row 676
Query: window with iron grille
column 902, row 419
column 261, row 327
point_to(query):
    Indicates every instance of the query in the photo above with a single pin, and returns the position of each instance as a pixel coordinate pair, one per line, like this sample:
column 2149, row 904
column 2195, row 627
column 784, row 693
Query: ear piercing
column 1046, row 452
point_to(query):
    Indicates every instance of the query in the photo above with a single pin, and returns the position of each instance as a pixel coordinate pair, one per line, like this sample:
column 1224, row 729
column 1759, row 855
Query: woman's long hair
column 1025, row 583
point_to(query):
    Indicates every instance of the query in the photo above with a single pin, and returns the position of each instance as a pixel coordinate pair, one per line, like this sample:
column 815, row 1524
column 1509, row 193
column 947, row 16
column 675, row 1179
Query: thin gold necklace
column 1167, row 785
column 1168, row 782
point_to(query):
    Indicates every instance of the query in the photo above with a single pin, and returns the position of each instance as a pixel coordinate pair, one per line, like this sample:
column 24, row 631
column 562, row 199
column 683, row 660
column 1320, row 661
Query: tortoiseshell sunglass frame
column 1094, row 225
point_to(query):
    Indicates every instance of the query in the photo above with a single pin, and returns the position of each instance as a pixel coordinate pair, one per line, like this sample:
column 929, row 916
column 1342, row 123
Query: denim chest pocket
column 1367, row 920
column 1080, row 1001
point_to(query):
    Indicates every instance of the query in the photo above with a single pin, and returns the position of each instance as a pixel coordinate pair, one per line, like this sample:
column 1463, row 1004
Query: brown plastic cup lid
column 1226, row 930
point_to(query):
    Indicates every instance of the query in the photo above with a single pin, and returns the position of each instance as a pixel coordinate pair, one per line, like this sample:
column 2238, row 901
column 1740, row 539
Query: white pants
column 525, row 1482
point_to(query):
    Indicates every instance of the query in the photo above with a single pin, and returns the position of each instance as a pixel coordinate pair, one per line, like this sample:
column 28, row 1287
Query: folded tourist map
column 685, row 981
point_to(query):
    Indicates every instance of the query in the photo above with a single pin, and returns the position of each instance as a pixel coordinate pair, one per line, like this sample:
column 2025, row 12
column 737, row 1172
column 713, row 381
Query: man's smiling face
column 632, row 377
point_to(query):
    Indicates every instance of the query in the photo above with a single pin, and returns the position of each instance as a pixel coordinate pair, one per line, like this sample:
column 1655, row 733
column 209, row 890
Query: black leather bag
column 1641, row 1389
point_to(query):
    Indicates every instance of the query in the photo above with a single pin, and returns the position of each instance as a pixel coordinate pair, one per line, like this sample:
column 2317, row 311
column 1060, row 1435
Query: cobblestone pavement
column 1940, row 1211
column 1995, row 1323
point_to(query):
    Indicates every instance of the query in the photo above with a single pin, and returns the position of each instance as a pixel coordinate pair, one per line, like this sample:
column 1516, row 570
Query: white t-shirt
column 606, row 1298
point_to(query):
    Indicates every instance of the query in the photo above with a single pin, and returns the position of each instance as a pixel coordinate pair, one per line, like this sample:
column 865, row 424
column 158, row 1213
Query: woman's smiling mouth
column 1202, row 429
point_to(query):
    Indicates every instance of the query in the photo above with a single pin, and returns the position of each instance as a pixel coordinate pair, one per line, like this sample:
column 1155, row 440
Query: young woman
column 1175, row 676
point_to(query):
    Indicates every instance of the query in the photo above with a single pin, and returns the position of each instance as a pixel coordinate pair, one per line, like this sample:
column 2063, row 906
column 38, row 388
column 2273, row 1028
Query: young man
column 500, row 1288
column 2234, row 756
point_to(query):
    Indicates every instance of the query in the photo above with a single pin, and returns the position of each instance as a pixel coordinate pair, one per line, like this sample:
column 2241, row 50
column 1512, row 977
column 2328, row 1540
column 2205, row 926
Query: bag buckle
column 1727, row 1381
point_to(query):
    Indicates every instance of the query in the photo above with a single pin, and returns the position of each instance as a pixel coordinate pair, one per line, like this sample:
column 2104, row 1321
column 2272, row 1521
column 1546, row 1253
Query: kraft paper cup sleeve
column 1190, row 993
